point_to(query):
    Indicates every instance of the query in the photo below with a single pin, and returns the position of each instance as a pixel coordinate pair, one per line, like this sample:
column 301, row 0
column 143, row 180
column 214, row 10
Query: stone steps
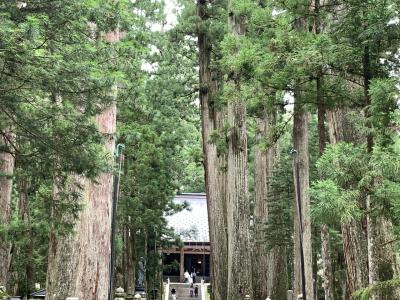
column 182, row 291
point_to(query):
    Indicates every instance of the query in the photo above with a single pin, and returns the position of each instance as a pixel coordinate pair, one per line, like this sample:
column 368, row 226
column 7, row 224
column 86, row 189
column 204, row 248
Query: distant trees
column 262, row 79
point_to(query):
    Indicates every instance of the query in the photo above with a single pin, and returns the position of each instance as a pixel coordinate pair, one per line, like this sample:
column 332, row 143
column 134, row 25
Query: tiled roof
column 191, row 223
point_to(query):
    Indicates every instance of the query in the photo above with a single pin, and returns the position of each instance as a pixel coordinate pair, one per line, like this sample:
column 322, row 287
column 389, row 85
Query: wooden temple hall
column 191, row 224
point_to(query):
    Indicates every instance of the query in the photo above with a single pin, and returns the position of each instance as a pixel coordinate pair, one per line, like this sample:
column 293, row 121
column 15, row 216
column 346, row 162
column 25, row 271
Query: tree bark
column 212, row 120
column 277, row 280
column 79, row 264
column 238, row 212
column 25, row 216
column 269, row 266
column 325, row 236
column 94, row 232
column 354, row 237
column 62, row 256
column 6, row 171
column 302, row 222
column 355, row 254
column 262, row 173
column 129, row 283
column 327, row 263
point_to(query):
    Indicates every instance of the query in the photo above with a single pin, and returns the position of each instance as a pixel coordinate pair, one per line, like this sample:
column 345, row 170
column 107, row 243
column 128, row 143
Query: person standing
column 193, row 275
column 173, row 294
column 191, row 290
column 187, row 276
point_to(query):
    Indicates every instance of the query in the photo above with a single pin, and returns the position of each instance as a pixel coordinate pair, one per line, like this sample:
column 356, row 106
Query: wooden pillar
column 182, row 266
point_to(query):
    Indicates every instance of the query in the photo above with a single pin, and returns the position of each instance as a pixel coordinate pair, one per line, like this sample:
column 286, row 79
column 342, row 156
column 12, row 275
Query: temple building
column 191, row 224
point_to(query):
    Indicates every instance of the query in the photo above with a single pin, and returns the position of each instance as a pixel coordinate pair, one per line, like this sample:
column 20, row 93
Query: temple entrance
column 176, row 262
column 199, row 263
column 191, row 225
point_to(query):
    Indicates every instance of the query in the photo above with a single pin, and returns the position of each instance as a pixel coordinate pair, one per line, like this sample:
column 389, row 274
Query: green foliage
column 332, row 205
column 58, row 72
column 278, row 229
column 384, row 289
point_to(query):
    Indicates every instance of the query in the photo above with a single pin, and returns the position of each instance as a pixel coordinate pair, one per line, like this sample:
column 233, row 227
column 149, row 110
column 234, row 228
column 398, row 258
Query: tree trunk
column 6, row 182
column 159, row 278
column 354, row 238
column 262, row 173
column 24, row 215
column 214, row 164
column 239, row 260
column 372, row 263
column 325, row 237
column 302, row 222
column 94, row 263
column 238, row 212
column 355, row 254
column 129, row 284
column 327, row 263
column 79, row 264
column 277, row 273
column 385, row 251
column 269, row 267
column 62, row 256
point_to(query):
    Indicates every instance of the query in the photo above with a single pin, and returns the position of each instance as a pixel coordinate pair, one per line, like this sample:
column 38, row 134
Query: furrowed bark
column 325, row 236
column 354, row 237
column 238, row 212
column 79, row 263
column 301, row 180
column 277, row 280
column 239, row 260
column 95, row 224
column 269, row 266
column 212, row 120
column 6, row 172
column 262, row 172
column 63, row 251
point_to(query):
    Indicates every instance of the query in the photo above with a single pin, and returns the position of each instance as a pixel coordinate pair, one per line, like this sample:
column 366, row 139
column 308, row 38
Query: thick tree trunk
column 95, row 226
column 214, row 164
column 269, row 267
column 238, row 211
column 355, row 254
column 262, row 173
column 277, row 273
column 6, row 172
column 239, row 260
column 325, row 236
column 62, row 256
column 302, row 222
column 354, row 237
column 79, row 264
